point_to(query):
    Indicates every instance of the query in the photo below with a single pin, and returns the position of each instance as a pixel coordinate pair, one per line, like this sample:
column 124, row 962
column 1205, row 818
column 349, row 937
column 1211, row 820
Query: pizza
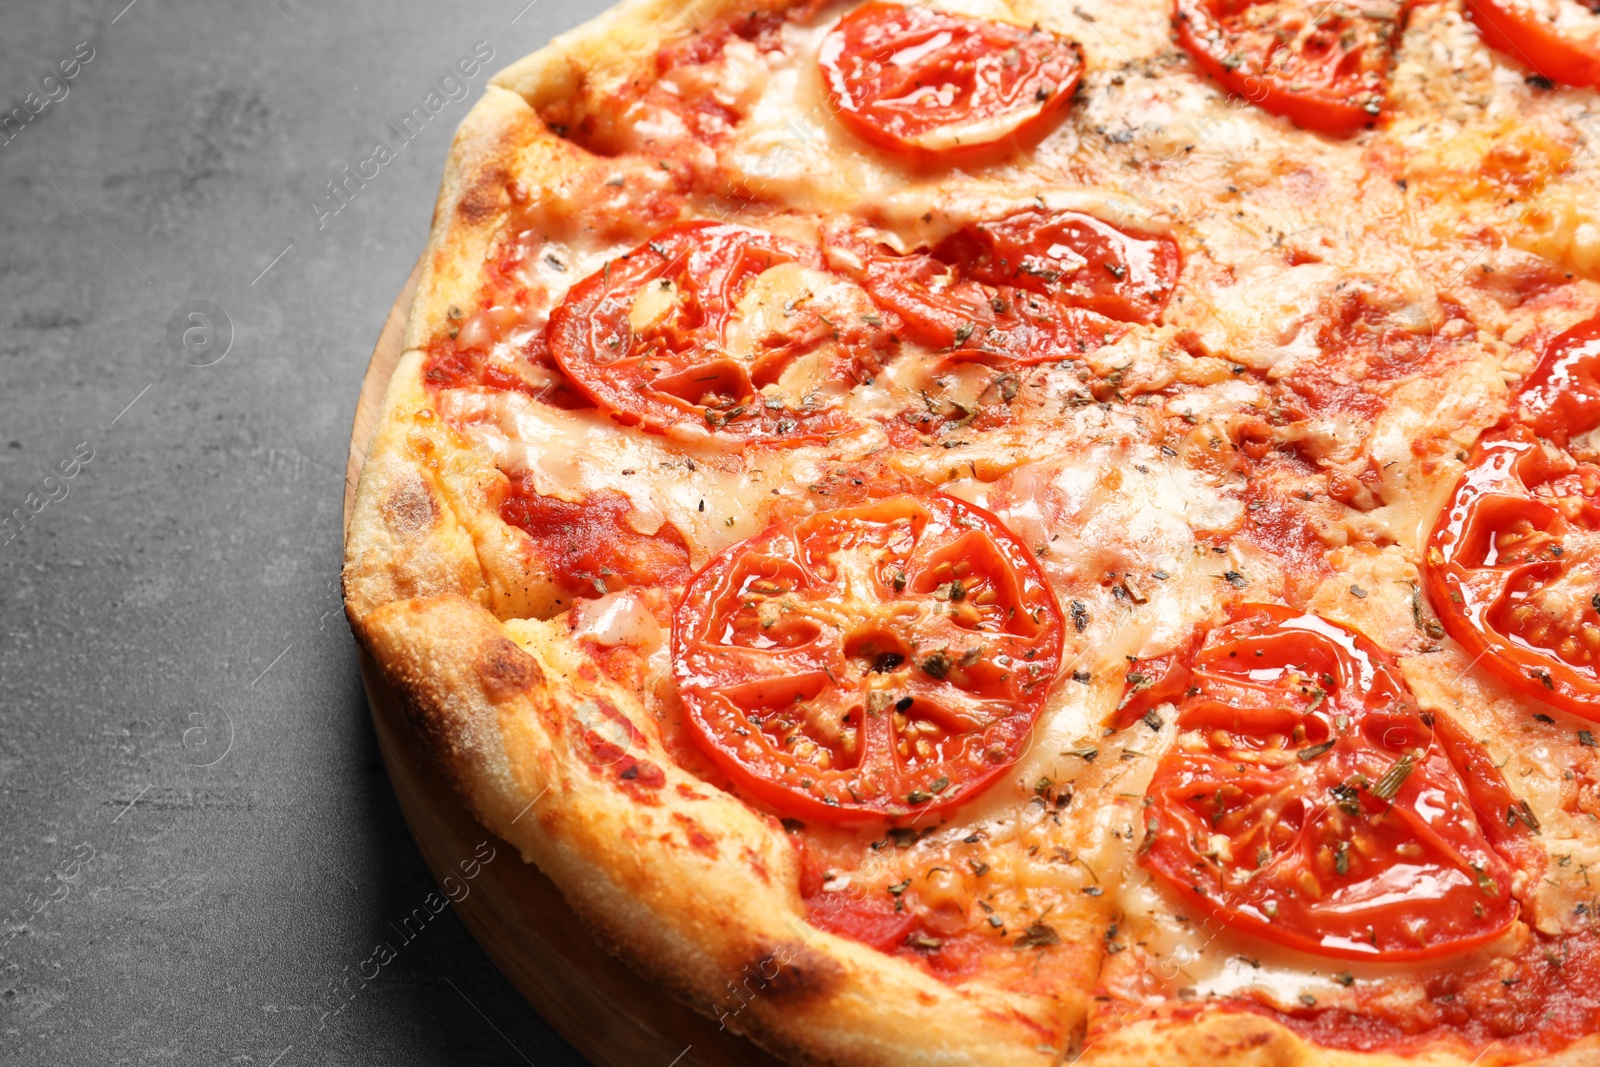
column 1027, row 531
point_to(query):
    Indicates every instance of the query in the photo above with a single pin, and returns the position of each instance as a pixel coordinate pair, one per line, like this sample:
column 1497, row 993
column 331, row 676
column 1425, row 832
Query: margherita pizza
column 1049, row 531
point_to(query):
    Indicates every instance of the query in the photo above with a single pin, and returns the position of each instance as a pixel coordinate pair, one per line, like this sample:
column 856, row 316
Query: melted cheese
column 713, row 501
column 616, row 620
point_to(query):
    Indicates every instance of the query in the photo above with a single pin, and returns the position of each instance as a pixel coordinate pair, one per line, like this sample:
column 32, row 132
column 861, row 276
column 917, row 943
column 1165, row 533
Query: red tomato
column 1561, row 398
column 1089, row 263
column 1323, row 66
column 1149, row 683
column 1308, row 802
column 872, row 919
column 675, row 369
column 942, row 309
column 1518, row 29
column 919, row 80
column 882, row 660
column 1512, row 566
column 1513, row 569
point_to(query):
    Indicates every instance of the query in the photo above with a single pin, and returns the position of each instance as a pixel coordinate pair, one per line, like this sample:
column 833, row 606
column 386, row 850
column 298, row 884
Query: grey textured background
column 199, row 847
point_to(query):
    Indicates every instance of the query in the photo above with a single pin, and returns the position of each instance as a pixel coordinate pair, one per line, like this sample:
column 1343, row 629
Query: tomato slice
column 1513, row 564
column 1513, row 569
column 886, row 659
column 1528, row 31
column 1322, row 66
column 1088, row 263
column 913, row 79
column 649, row 338
column 1561, row 398
column 942, row 309
column 1149, row 683
column 1308, row 802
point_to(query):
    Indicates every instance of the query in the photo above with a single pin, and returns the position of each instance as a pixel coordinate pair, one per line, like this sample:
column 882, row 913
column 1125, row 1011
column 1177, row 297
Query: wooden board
column 605, row 1011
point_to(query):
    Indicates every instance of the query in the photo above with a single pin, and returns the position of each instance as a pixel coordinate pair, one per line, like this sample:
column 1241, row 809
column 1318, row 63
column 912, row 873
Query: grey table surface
column 199, row 847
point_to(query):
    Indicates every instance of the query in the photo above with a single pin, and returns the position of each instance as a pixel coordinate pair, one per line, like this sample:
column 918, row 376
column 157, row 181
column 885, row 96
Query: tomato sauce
column 1538, row 1001
column 589, row 549
column 917, row 425
column 1365, row 343
column 879, row 907
column 449, row 366
column 1279, row 528
column 764, row 29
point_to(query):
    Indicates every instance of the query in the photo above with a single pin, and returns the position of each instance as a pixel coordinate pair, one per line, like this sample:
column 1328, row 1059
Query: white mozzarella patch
column 713, row 501
column 652, row 304
column 1199, row 953
column 1122, row 515
column 1264, row 319
column 1416, row 487
column 618, row 619
column 977, row 132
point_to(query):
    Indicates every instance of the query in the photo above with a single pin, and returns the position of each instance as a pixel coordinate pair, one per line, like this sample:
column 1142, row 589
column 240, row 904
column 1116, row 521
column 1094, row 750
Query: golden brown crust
column 584, row 67
column 404, row 539
column 493, row 143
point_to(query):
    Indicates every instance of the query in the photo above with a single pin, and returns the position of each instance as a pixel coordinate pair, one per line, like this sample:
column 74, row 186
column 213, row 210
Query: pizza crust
column 685, row 883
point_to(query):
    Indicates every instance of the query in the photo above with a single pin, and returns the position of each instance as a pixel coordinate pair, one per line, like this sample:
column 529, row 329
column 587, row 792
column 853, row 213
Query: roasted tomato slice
column 1513, row 569
column 1513, row 565
column 999, row 325
column 919, row 80
column 1308, row 802
column 1561, row 398
column 882, row 660
column 1560, row 39
column 722, row 327
column 1086, row 262
column 1323, row 66
column 1149, row 683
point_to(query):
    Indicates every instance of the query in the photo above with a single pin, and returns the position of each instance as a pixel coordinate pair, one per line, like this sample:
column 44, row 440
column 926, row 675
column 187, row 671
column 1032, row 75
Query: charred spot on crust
column 410, row 508
column 641, row 779
column 487, row 197
column 506, row 670
column 792, row 971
